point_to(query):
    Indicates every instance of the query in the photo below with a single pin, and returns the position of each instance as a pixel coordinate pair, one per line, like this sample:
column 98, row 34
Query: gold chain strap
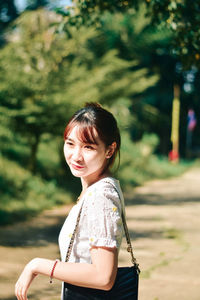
column 69, row 250
column 128, row 240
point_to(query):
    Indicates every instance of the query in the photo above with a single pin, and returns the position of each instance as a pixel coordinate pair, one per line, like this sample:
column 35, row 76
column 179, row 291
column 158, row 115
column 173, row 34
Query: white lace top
column 100, row 222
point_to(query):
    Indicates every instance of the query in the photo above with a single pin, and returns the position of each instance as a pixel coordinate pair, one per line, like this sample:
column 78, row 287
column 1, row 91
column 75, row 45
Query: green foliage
column 23, row 195
column 136, row 39
column 48, row 70
column 46, row 76
column 139, row 163
column 135, row 158
column 181, row 17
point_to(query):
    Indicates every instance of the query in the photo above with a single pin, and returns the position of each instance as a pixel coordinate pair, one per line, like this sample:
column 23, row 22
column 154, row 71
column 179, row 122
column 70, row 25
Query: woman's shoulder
column 107, row 188
column 106, row 184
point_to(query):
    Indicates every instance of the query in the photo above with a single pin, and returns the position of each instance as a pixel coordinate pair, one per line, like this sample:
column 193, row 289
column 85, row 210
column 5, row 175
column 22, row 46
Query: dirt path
column 164, row 222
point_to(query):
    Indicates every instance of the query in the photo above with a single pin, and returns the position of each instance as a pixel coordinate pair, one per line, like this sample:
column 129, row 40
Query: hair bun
column 93, row 104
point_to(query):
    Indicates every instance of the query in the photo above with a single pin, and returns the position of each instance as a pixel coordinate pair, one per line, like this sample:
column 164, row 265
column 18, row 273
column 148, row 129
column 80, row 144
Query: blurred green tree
column 182, row 17
column 135, row 38
column 45, row 76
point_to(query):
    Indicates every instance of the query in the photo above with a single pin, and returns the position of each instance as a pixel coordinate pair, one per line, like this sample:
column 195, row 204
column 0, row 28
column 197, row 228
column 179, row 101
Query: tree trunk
column 33, row 154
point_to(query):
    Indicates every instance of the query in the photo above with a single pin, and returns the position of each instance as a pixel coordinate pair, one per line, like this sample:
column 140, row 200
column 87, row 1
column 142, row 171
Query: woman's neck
column 86, row 182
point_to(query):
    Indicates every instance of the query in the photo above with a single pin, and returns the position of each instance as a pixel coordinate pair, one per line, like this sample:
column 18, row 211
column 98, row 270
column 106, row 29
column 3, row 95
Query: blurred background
column 139, row 59
column 57, row 55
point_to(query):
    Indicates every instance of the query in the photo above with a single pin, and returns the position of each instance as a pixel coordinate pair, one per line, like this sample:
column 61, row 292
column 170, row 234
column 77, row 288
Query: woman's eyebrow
column 84, row 142
column 69, row 139
column 91, row 143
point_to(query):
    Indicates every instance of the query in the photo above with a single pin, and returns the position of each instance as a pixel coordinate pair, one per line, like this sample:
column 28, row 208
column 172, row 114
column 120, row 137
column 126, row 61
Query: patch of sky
column 21, row 4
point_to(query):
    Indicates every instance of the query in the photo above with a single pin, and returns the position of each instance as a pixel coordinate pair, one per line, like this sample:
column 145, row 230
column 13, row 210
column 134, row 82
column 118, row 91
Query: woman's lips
column 77, row 167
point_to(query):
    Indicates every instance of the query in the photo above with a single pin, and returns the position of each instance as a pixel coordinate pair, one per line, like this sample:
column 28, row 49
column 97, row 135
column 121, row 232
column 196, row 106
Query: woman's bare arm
column 100, row 274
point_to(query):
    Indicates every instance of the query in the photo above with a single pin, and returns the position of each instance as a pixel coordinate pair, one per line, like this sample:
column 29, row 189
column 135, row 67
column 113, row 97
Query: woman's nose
column 77, row 154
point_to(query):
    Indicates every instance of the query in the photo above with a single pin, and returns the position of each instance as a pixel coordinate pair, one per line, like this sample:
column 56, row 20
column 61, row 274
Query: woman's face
column 85, row 160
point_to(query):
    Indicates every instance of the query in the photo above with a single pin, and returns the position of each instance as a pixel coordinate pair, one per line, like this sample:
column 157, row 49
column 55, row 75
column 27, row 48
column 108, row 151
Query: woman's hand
column 25, row 279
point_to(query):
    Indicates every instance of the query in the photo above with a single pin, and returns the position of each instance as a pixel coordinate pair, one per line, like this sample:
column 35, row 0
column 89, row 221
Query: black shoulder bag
column 126, row 282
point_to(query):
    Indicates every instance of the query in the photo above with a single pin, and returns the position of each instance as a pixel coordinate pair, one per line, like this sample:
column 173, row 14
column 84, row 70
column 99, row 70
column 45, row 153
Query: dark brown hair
column 94, row 117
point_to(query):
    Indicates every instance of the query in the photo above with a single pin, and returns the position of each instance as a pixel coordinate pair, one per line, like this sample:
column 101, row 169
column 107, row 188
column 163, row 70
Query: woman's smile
column 77, row 167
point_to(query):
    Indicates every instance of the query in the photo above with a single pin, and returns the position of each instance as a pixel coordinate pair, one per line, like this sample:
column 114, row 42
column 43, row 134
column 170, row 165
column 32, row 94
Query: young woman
column 92, row 142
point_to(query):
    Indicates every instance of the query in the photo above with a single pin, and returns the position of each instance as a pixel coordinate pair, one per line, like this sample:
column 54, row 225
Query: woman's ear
column 111, row 149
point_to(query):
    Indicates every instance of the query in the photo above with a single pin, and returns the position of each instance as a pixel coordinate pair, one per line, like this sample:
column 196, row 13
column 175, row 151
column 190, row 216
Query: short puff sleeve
column 103, row 217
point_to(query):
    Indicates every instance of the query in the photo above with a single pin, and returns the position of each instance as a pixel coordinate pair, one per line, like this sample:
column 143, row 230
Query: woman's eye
column 89, row 147
column 69, row 143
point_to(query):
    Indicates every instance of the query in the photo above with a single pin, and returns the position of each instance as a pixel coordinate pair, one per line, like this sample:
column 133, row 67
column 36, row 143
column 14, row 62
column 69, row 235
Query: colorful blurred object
column 173, row 156
column 191, row 120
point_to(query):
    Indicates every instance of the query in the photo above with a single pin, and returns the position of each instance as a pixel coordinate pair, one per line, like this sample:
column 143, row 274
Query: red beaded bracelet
column 52, row 271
